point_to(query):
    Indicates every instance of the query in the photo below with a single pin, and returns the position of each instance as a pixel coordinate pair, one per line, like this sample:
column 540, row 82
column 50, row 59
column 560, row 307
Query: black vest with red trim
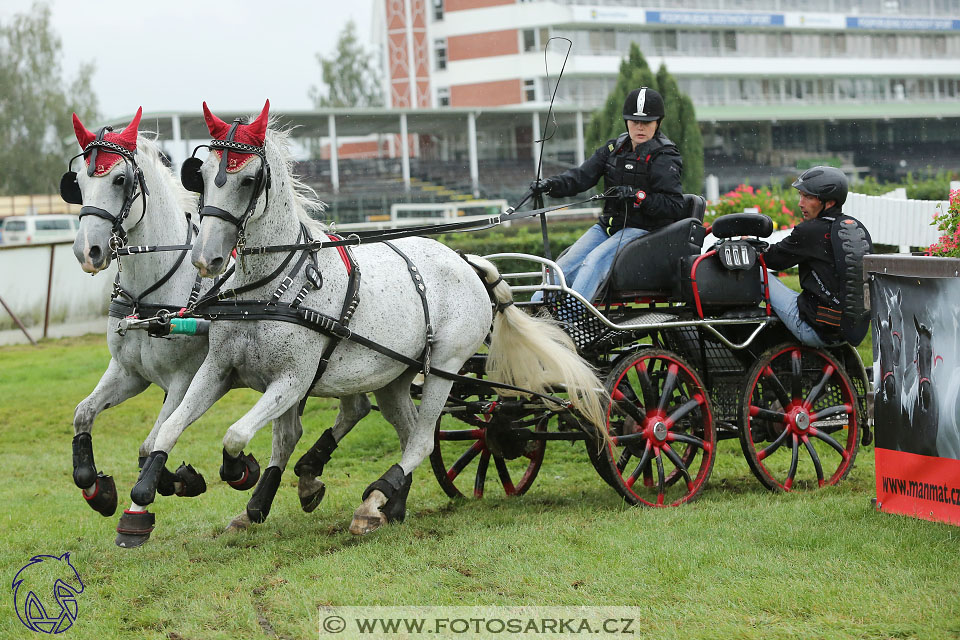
column 635, row 168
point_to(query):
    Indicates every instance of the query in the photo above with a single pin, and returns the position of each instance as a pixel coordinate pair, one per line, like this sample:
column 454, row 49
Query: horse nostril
column 215, row 264
column 95, row 254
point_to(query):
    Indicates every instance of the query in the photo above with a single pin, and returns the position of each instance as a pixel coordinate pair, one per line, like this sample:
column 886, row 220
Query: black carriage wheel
column 461, row 458
column 663, row 440
column 799, row 425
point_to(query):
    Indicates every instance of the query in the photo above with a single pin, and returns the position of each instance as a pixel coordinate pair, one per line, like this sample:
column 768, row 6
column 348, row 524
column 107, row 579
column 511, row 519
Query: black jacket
column 810, row 247
column 655, row 167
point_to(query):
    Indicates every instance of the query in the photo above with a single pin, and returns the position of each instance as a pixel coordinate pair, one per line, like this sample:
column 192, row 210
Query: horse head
column 106, row 189
column 925, row 362
column 234, row 183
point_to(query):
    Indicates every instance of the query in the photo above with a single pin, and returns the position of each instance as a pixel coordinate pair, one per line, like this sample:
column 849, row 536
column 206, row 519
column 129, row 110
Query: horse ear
column 84, row 135
column 128, row 137
column 258, row 128
column 217, row 127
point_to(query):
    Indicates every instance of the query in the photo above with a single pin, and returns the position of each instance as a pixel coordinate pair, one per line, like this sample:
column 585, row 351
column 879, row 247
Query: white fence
column 902, row 223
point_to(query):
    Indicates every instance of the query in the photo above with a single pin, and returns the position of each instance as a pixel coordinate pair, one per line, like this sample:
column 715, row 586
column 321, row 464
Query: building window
column 529, row 90
column 438, row 9
column 443, row 96
column 529, row 40
column 440, row 53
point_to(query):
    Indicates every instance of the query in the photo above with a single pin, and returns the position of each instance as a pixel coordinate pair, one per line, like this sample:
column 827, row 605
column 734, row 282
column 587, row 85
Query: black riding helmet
column 824, row 183
column 644, row 105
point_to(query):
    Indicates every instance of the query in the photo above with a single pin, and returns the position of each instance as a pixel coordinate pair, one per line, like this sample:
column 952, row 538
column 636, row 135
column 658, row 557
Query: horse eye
column 120, row 179
column 246, row 182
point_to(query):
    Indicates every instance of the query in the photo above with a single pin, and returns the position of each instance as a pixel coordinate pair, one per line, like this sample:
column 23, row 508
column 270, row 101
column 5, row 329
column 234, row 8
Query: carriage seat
column 650, row 264
column 733, row 225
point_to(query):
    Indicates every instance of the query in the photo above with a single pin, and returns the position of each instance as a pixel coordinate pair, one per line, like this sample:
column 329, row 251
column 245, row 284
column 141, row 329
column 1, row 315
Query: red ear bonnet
column 252, row 134
column 105, row 159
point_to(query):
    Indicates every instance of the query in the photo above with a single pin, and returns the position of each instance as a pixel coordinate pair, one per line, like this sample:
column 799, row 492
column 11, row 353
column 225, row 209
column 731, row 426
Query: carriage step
column 648, row 317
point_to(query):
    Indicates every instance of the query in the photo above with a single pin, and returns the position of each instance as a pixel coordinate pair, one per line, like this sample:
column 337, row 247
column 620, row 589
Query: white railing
column 894, row 221
column 421, row 212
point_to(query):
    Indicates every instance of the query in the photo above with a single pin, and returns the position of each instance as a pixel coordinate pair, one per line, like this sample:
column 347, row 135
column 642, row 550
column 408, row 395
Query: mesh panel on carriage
column 578, row 322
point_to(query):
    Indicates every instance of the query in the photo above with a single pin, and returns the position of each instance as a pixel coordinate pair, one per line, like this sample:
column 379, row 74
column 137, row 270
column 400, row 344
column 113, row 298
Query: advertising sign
column 916, row 343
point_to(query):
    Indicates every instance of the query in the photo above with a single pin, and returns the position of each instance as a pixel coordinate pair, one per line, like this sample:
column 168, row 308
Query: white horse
column 249, row 194
column 117, row 169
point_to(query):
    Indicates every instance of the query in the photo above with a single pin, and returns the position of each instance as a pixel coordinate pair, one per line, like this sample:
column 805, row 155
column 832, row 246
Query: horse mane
column 148, row 158
column 305, row 198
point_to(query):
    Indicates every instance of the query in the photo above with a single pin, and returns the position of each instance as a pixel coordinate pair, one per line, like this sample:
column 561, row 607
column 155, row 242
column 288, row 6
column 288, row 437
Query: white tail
column 535, row 353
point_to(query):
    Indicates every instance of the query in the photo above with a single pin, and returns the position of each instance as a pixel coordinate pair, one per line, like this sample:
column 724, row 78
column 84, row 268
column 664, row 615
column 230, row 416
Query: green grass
column 739, row 563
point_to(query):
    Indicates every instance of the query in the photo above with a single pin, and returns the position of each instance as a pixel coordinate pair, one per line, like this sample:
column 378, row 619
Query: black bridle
column 191, row 178
column 70, row 188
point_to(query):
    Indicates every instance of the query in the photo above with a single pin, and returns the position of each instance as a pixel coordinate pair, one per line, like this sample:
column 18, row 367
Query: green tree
column 680, row 123
column 36, row 103
column 348, row 77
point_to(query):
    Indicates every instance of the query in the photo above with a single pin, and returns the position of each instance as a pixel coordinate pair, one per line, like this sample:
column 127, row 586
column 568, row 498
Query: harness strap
column 421, row 288
column 351, row 300
column 118, row 289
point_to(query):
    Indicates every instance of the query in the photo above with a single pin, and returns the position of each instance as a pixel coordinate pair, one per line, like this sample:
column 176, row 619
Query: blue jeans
column 589, row 261
column 783, row 299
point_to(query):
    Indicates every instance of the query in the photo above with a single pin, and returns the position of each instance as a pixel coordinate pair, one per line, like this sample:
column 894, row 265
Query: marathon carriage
column 691, row 354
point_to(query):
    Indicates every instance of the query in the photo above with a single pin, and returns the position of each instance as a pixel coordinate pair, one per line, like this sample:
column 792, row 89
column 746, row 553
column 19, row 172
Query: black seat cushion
column 742, row 224
column 694, row 206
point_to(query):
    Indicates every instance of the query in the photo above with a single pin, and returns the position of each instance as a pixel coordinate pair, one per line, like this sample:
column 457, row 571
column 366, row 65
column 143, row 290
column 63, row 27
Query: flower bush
column 772, row 201
column 948, row 222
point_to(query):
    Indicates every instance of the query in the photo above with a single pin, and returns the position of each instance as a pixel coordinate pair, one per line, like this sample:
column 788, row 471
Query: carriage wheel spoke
column 629, row 407
column 776, row 386
column 816, row 433
column 646, row 385
column 829, row 412
column 684, row 409
column 767, row 414
column 460, row 434
column 465, row 459
column 641, row 467
column 481, row 477
column 794, row 458
column 678, row 463
column 624, row 459
column 818, row 388
column 668, row 385
column 688, row 439
column 773, row 445
column 661, row 479
column 504, row 476
column 815, row 458
column 796, row 374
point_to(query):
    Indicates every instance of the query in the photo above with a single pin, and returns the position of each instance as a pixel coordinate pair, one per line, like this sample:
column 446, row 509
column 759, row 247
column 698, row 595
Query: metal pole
column 536, row 144
column 17, row 320
column 405, row 152
column 334, row 161
column 472, row 139
column 46, row 311
column 581, row 153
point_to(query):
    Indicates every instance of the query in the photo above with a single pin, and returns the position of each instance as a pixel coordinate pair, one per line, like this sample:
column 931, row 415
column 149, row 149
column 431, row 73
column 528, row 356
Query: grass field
column 738, row 563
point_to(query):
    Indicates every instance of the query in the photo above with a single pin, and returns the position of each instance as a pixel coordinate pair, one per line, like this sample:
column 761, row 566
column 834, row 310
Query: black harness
column 134, row 187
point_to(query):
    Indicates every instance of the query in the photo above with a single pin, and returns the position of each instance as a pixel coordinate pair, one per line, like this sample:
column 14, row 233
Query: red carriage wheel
column 461, row 457
column 799, row 426
column 663, row 441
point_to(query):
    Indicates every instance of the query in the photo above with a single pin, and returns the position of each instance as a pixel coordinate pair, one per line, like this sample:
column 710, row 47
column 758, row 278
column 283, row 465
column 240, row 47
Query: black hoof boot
column 311, row 463
column 84, row 468
column 259, row 506
column 241, row 472
column 145, row 491
column 104, row 498
column 395, row 486
column 191, row 481
column 134, row 528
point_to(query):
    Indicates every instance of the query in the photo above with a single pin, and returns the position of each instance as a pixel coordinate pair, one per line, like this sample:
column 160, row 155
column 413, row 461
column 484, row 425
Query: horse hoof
column 240, row 523
column 364, row 524
column 134, row 528
column 311, row 492
column 191, row 481
column 104, row 498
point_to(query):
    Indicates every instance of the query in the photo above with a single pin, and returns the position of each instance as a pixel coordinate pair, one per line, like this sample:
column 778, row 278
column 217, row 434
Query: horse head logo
column 890, row 340
column 45, row 593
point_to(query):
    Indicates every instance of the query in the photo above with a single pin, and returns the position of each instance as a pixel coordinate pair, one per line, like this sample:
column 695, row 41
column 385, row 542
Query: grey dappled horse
column 117, row 169
column 249, row 193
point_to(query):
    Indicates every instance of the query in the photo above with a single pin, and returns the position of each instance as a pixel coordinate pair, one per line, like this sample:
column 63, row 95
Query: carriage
column 691, row 354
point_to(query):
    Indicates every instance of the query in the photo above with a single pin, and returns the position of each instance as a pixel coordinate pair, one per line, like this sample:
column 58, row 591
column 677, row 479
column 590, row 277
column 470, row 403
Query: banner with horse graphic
column 916, row 384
